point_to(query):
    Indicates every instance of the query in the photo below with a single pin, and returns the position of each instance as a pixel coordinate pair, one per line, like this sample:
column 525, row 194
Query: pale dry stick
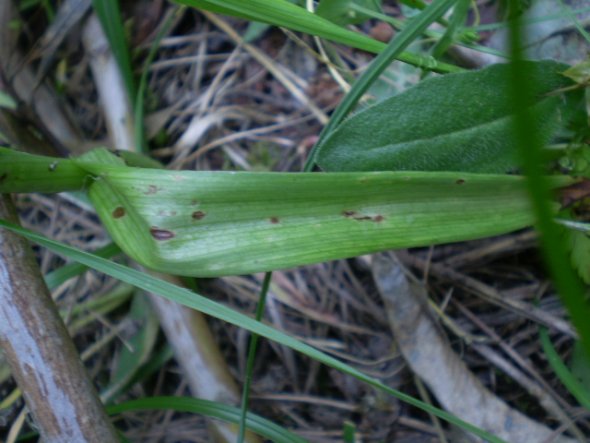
column 40, row 352
column 269, row 65
column 205, row 117
column 311, row 399
column 68, row 15
column 548, row 398
column 110, row 85
column 467, row 337
column 513, row 243
column 344, row 85
column 213, row 89
column 190, row 60
column 429, row 355
column 492, row 295
column 243, row 134
column 277, row 317
column 17, row 426
column 186, row 329
column 532, row 388
column 199, row 356
column 288, row 295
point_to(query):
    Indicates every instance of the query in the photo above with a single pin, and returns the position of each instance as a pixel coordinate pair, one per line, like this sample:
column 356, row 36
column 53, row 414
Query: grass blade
column 211, row 409
column 209, row 307
column 565, row 279
column 252, row 355
column 285, row 14
column 569, row 381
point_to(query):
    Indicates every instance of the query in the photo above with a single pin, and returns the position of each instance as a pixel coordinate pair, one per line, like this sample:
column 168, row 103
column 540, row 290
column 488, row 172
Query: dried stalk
column 187, row 331
column 40, row 352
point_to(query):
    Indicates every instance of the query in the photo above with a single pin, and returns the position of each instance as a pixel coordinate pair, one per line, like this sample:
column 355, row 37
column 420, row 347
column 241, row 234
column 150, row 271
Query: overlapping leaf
column 458, row 122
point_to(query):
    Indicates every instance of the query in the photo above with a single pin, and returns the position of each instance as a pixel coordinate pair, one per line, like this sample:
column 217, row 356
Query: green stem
column 251, row 356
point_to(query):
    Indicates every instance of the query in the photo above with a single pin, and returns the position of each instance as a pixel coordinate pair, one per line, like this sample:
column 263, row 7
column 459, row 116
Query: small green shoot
column 577, row 389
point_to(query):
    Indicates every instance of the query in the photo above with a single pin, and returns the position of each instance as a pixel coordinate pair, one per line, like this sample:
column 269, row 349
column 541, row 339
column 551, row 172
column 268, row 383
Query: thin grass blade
column 209, row 307
column 285, row 14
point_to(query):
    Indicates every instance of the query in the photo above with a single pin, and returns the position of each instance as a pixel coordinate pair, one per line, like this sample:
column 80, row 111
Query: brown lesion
column 274, row 220
column 119, row 212
column 198, row 215
column 152, row 189
column 358, row 217
column 161, row 234
column 460, row 181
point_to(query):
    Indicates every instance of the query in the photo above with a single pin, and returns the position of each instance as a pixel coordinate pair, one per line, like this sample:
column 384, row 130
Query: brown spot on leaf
column 161, row 234
column 460, row 181
column 356, row 216
column 198, row 215
column 152, row 189
column 119, row 212
column 274, row 220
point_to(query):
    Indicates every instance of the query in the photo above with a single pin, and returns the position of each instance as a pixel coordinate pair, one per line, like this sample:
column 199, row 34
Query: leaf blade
column 458, row 122
column 214, row 223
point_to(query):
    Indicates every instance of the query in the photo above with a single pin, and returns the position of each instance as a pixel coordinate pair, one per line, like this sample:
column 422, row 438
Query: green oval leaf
column 457, row 122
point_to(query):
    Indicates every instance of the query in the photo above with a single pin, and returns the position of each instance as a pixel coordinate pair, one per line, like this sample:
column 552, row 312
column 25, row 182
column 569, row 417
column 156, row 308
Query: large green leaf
column 458, row 122
column 217, row 223
column 226, row 223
